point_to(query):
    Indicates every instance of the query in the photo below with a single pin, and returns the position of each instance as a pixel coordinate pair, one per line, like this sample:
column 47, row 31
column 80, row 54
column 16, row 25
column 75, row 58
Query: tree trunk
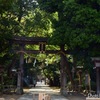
column 63, row 76
column 65, row 69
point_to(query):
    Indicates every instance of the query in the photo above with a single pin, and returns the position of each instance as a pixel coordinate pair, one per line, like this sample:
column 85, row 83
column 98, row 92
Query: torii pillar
column 20, row 71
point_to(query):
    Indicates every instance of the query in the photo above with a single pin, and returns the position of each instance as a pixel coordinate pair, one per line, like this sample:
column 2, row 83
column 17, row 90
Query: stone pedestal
column 64, row 92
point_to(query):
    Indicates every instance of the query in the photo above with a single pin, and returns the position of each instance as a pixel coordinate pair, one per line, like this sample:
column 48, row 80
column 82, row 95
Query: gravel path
column 33, row 94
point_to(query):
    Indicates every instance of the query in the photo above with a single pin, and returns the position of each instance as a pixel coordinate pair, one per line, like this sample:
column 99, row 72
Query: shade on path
column 54, row 93
column 42, row 88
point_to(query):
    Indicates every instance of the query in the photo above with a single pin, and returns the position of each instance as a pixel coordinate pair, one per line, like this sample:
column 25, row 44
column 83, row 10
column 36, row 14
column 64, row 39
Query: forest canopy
column 73, row 24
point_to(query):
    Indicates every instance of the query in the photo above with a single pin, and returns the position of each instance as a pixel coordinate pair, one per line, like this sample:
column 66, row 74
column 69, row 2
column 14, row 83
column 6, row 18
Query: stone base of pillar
column 64, row 92
column 19, row 91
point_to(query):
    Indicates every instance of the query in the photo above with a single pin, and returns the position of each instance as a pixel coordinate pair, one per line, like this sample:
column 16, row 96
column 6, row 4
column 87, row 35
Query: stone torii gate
column 41, row 41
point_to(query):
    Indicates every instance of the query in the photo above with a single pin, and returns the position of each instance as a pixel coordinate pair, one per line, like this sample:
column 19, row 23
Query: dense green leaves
column 77, row 25
column 6, row 24
column 37, row 23
column 49, row 5
column 71, row 23
column 83, row 26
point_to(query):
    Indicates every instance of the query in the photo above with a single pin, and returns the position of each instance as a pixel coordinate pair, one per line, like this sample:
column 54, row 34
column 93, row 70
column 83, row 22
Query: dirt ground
column 12, row 96
column 76, row 97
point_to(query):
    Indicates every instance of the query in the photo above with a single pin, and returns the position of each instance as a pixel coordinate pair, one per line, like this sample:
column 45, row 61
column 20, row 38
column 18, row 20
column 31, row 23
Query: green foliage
column 11, row 20
column 6, row 24
column 49, row 5
column 83, row 25
column 5, row 5
column 52, row 73
column 92, row 3
column 37, row 23
column 74, row 23
column 78, row 25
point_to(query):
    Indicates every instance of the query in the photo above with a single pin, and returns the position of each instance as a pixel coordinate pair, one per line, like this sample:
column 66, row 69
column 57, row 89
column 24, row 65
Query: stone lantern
column 97, row 67
column 79, row 72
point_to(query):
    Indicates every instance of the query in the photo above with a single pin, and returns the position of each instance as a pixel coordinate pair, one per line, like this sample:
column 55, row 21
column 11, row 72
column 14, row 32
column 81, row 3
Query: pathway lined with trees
column 69, row 25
